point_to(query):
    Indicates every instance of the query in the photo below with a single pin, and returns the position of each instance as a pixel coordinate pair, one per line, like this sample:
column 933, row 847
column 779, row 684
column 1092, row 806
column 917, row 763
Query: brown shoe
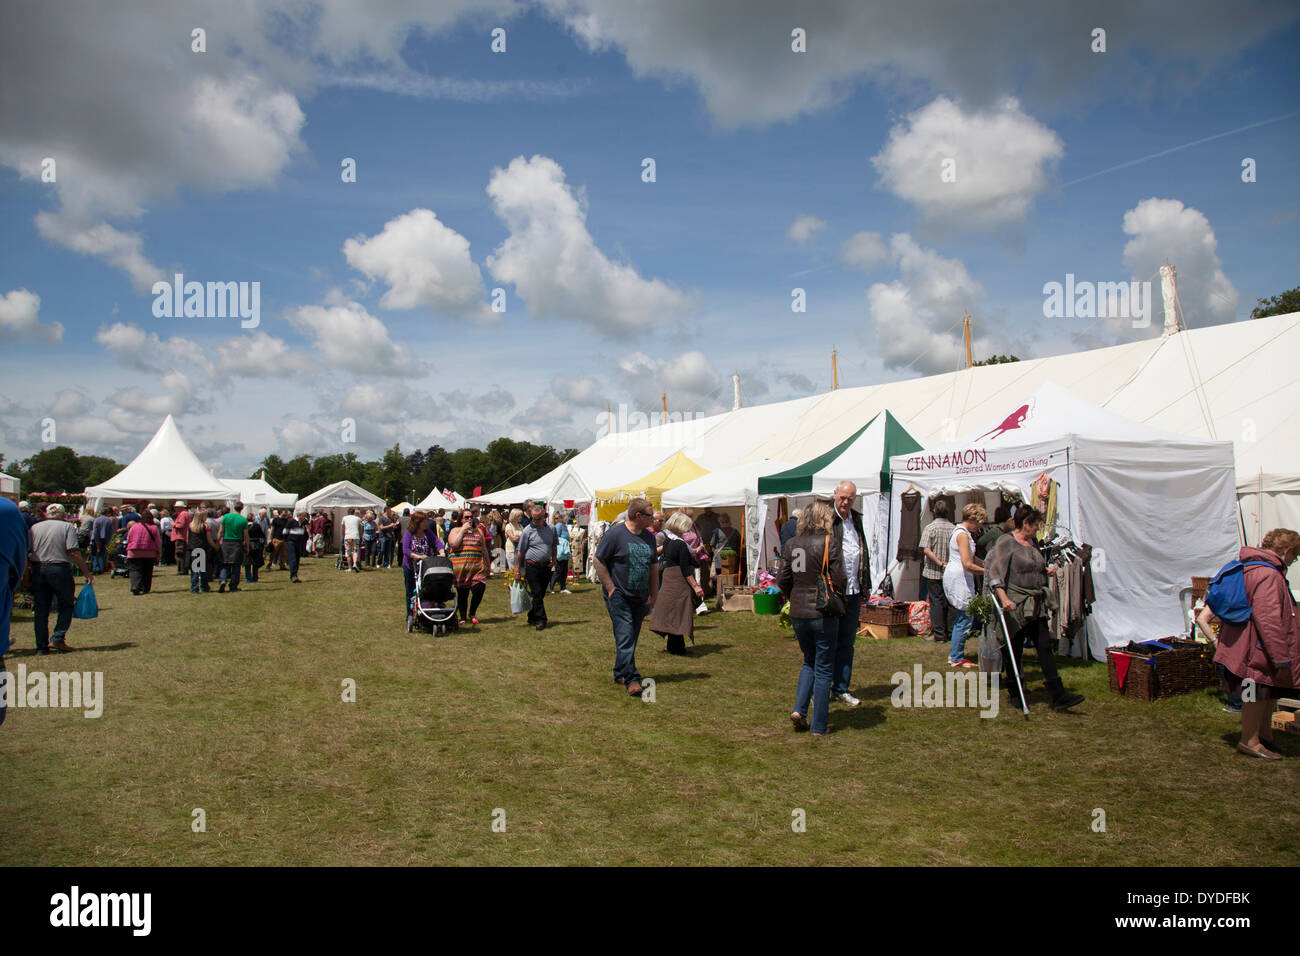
column 61, row 647
column 799, row 720
column 1263, row 752
column 634, row 688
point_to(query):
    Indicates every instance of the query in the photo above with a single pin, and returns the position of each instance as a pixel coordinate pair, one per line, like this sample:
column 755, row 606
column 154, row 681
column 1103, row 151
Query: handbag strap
column 826, row 554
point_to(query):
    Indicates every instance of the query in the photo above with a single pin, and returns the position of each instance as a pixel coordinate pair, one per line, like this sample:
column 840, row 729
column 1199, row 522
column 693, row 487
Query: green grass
column 232, row 703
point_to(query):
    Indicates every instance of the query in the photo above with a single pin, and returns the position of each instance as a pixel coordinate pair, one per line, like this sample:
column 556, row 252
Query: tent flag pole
column 835, row 371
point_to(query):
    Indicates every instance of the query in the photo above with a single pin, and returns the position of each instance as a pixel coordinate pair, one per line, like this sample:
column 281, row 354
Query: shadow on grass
column 679, row 678
column 859, row 718
column 77, row 648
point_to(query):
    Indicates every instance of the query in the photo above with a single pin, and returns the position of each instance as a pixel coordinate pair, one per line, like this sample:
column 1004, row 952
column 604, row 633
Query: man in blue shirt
column 624, row 560
column 101, row 532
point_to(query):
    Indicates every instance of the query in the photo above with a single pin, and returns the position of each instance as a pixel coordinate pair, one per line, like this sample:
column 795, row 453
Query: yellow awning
column 611, row 502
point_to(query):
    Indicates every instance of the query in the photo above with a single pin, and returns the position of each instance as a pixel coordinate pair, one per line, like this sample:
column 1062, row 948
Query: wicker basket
column 1186, row 667
column 887, row 615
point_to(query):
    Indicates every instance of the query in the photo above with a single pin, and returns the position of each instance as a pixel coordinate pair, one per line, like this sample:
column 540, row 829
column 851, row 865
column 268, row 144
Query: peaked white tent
column 165, row 470
column 1157, row 507
column 439, row 501
column 337, row 499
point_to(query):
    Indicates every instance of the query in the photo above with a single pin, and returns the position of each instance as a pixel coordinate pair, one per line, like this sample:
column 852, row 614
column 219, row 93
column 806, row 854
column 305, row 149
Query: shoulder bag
column 829, row 602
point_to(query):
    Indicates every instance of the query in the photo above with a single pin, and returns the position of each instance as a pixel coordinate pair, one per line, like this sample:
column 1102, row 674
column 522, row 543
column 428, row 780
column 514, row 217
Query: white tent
column 258, row 492
column 1157, row 507
column 9, row 486
column 337, row 499
column 441, row 501
column 736, row 488
column 165, row 470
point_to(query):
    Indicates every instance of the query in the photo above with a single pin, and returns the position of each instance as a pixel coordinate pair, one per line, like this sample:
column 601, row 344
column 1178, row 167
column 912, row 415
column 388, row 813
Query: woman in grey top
column 1017, row 575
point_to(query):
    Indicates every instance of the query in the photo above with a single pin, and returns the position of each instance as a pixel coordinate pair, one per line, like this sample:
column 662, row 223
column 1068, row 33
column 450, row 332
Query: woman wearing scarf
column 418, row 541
column 674, row 611
column 469, row 561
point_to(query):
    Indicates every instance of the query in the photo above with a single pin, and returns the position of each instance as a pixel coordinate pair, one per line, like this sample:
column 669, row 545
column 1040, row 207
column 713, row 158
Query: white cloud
column 18, row 319
column 802, row 229
column 139, row 349
column 297, row 437
column 969, row 169
column 866, row 251
column 424, row 262
column 135, row 410
column 349, row 337
column 554, row 262
column 688, row 379
column 381, row 404
column 914, row 314
column 578, row 390
column 1164, row 230
column 259, row 355
column 68, row 402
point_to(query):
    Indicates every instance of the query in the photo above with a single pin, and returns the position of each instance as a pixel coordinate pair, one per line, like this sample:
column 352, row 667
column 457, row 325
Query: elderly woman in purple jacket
column 418, row 541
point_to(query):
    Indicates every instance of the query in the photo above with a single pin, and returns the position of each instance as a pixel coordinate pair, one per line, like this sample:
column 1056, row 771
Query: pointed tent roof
column 341, row 494
column 435, row 500
column 165, row 468
column 862, row 458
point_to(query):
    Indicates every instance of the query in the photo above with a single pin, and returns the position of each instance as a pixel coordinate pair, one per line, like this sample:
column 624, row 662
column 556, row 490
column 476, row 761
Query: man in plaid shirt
column 934, row 542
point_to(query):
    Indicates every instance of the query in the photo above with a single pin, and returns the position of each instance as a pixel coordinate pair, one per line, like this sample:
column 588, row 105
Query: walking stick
column 1011, row 655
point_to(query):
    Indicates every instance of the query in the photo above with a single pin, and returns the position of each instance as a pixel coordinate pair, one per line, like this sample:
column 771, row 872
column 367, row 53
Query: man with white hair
column 857, row 569
column 52, row 550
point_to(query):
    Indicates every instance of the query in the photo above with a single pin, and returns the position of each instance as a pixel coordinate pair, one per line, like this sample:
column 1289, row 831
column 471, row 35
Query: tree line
column 393, row 477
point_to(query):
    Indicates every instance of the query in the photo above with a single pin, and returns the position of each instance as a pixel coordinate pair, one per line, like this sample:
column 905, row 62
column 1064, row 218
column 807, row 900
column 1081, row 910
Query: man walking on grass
column 624, row 562
column 534, row 560
column 352, row 539
column 857, row 569
column 234, row 545
column 52, row 550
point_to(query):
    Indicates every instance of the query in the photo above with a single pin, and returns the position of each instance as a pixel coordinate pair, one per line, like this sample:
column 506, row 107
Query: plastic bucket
column 767, row 603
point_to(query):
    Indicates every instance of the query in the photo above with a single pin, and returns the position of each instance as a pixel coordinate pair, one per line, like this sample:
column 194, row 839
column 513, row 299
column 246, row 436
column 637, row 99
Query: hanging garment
column 909, row 527
column 1044, row 498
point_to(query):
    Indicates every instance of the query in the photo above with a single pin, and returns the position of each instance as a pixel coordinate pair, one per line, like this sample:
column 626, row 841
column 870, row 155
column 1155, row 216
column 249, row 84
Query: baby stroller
column 433, row 605
column 117, row 555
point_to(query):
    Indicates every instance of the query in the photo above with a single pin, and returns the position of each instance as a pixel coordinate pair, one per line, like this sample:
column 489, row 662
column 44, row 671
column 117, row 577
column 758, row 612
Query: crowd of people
column 650, row 568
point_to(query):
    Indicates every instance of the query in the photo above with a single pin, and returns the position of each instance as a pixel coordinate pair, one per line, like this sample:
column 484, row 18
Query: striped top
column 470, row 560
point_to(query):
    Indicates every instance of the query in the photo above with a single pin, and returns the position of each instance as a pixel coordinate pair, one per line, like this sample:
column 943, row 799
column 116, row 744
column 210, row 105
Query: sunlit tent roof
column 440, row 501
column 725, row 488
column 341, row 494
column 166, row 468
column 862, row 458
column 675, row 471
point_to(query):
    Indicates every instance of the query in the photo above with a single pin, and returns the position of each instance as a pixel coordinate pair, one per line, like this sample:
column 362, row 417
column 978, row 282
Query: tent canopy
column 677, row 470
column 862, row 458
column 1157, row 507
column 259, row 491
column 166, row 468
column 724, row 488
column 341, row 494
column 439, row 501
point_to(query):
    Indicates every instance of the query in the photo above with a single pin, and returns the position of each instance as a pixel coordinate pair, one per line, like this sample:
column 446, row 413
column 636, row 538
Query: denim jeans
column 626, row 614
column 252, row 564
column 98, row 556
column 52, row 584
column 961, row 626
column 561, row 574
column 387, row 551
column 819, row 640
column 842, row 675
column 408, row 576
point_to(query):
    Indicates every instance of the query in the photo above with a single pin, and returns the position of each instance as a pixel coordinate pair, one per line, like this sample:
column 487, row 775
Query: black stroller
column 117, row 555
column 433, row 605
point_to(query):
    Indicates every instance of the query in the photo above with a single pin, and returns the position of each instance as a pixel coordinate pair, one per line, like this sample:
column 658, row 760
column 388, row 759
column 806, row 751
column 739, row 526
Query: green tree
column 95, row 469
column 296, row 476
column 273, row 465
column 394, row 476
column 53, row 470
column 997, row 360
column 1284, row 304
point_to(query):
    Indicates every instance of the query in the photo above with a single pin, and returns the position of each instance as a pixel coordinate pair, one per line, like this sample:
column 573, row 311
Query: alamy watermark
column 79, row 690
column 213, row 300
column 956, row 688
column 1098, row 300
column 633, row 427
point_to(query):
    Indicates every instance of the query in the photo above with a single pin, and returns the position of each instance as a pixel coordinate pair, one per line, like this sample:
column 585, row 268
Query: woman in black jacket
column 801, row 567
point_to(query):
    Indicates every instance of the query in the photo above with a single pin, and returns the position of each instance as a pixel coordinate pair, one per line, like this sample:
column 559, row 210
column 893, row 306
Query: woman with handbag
column 812, row 579
column 674, row 611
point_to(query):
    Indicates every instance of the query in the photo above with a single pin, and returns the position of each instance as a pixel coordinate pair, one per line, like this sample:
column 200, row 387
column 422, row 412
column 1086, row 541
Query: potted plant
column 727, row 560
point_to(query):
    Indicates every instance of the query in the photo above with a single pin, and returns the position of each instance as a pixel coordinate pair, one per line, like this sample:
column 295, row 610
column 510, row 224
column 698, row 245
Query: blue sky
column 225, row 165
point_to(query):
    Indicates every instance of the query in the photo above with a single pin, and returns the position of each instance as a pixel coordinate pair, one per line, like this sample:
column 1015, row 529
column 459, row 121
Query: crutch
column 1011, row 656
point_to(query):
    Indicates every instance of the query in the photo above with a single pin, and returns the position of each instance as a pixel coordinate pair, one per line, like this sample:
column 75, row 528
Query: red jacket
column 1271, row 637
column 181, row 525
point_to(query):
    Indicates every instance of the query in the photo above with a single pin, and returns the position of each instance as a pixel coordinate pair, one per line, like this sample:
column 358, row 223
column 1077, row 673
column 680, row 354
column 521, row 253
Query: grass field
column 233, row 704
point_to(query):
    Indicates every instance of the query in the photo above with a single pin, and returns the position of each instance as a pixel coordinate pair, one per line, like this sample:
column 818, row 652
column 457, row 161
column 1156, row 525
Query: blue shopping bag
column 86, row 606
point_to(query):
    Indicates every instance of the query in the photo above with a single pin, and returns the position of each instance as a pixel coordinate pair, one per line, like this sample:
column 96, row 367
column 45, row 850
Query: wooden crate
column 882, row 632
column 1285, row 718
